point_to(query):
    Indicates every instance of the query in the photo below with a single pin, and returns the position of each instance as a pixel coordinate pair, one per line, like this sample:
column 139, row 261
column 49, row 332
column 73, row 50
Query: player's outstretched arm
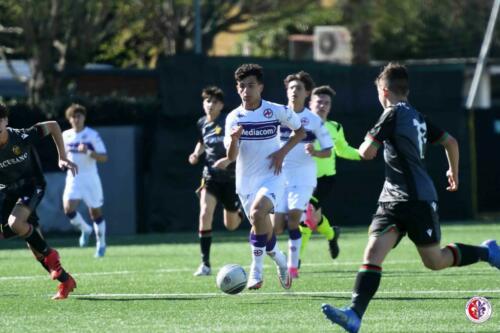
column 343, row 149
column 450, row 145
column 52, row 128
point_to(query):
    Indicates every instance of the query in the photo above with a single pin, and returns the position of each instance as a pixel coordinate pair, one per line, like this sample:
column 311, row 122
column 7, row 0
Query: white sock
column 100, row 233
column 258, row 258
column 278, row 256
column 80, row 223
column 293, row 252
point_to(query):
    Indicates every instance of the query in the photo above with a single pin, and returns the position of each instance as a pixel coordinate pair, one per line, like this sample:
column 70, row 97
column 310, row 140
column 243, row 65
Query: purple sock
column 258, row 240
column 271, row 243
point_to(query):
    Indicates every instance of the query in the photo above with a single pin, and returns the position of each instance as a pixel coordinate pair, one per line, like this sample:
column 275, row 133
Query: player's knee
column 19, row 227
column 257, row 214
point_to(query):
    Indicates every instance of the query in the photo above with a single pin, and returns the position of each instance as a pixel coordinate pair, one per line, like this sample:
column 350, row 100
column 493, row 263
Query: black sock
column 63, row 277
column 37, row 242
column 464, row 255
column 365, row 287
column 205, row 243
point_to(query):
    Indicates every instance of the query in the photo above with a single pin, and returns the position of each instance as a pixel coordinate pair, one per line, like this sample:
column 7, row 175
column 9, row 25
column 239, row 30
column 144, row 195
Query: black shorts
column 28, row 195
column 322, row 190
column 224, row 192
column 418, row 219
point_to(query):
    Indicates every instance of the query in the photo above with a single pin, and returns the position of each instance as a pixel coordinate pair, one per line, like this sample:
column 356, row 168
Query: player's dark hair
column 324, row 90
column 213, row 91
column 302, row 76
column 395, row 77
column 75, row 108
column 4, row 111
column 247, row 70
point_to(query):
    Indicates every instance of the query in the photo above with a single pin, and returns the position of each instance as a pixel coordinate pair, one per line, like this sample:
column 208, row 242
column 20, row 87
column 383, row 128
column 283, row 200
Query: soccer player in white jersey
column 251, row 138
column 84, row 147
column 299, row 166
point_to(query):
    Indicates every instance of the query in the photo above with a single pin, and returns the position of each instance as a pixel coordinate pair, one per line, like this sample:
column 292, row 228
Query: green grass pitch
column 145, row 284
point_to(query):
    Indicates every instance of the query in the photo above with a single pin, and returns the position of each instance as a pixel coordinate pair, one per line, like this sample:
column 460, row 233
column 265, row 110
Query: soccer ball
column 231, row 279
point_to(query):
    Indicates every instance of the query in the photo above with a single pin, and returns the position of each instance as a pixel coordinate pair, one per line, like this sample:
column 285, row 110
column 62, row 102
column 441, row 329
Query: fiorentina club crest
column 268, row 113
column 478, row 309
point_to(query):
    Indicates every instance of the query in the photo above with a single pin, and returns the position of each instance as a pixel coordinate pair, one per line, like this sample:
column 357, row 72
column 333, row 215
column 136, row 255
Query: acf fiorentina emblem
column 16, row 150
column 268, row 113
column 478, row 309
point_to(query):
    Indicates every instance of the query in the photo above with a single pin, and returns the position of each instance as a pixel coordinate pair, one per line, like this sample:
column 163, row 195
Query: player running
column 252, row 140
column 299, row 167
column 320, row 104
column 84, row 147
column 22, row 186
column 218, row 180
column 408, row 201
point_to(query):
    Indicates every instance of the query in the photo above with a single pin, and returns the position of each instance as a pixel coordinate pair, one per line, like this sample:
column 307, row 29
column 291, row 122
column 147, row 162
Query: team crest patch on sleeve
column 304, row 121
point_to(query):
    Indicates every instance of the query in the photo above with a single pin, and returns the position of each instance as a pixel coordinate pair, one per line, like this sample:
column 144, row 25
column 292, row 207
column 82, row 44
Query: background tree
column 54, row 36
column 167, row 27
column 385, row 29
column 59, row 35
